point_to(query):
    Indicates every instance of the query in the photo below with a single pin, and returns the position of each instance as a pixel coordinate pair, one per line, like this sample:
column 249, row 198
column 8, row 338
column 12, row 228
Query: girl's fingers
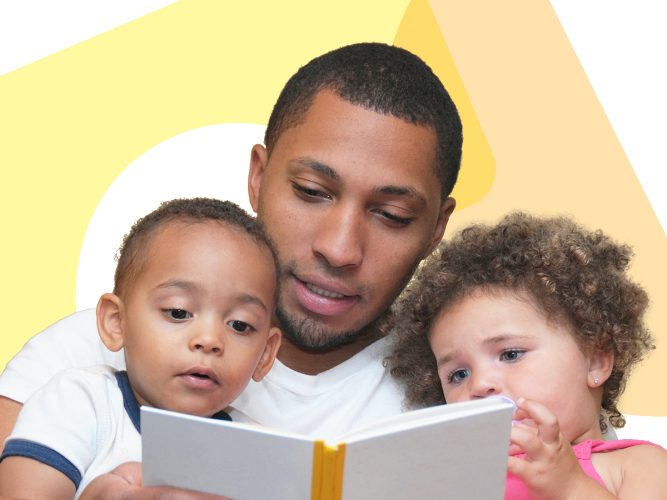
column 527, row 439
column 547, row 423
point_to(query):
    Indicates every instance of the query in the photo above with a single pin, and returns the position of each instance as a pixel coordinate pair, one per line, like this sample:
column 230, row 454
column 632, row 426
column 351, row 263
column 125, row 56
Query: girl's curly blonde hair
column 573, row 274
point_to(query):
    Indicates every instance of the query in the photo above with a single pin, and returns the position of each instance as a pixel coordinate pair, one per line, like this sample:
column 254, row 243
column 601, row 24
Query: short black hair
column 129, row 258
column 382, row 78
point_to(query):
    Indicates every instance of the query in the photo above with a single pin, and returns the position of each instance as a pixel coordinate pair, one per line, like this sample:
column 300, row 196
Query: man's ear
column 259, row 157
column 110, row 321
column 269, row 354
column 446, row 209
column 600, row 365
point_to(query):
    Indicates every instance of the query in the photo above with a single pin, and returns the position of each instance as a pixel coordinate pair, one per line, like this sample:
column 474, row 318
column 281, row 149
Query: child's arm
column 9, row 410
column 22, row 477
column 60, row 430
column 550, row 469
column 644, row 473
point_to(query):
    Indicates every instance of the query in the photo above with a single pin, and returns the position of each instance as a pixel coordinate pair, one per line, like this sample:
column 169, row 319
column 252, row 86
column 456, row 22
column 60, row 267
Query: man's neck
column 311, row 362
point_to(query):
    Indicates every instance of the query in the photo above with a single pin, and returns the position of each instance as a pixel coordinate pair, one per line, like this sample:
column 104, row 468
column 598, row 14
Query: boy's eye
column 457, row 376
column 239, row 326
column 177, row 314
column 512, row 355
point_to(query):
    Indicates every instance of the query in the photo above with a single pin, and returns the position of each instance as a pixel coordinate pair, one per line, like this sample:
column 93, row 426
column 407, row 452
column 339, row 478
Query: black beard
column 309, row 335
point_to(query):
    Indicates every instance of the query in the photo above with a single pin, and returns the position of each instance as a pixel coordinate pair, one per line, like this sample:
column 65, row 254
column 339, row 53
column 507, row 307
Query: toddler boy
column 195, row 289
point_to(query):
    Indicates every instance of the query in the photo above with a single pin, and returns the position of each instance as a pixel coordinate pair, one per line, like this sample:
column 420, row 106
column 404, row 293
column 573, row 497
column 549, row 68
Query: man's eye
column 457, row 376
column 309, row 193
column 395, row 219
column 512, row 355
column 177, row 314
column 239, row 326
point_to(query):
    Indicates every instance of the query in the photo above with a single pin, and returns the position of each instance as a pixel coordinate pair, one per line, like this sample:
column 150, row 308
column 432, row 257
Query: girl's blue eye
column 457, row 376
column 512, row 355
column 239, row 326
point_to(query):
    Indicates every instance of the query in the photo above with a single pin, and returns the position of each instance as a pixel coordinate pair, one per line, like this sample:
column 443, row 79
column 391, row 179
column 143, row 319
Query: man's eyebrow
column 318, row 166
column 406, row 191
column 391, row 190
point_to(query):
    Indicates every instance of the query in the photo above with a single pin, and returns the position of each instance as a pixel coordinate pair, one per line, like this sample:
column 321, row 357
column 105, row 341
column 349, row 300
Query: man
column 361, row 152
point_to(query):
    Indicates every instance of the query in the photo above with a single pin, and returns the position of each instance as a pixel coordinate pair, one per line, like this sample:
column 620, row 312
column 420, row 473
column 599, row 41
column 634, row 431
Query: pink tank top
column 516, row 490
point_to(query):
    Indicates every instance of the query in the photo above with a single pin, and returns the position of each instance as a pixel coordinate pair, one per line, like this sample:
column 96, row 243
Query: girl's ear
column 600, row 365
column 110, row 321
column 269, row 354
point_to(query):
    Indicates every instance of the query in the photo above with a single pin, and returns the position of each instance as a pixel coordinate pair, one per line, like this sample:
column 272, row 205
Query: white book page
column 236, row 460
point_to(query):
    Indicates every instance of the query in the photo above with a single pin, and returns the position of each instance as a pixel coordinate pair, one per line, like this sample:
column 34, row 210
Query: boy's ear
column 110, row 321
column 269, row 354
column 600, row 365
column 259, row 157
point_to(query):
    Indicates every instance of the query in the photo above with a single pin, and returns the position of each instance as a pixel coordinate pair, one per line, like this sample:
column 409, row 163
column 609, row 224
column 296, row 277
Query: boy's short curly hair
column 572, row 274
column 131, row 254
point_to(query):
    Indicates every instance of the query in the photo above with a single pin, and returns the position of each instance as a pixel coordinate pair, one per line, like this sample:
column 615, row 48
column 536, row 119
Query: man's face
column 352, row 201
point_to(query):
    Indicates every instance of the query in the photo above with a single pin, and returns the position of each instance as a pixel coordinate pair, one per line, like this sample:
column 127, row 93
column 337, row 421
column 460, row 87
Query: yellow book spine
column 328, row 469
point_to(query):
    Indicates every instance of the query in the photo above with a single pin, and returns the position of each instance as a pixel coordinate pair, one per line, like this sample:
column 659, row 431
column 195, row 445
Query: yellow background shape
column 73, row 121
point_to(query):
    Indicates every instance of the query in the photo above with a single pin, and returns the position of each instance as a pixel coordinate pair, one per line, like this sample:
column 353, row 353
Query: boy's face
column 196, row 320
column 352, row 201
column 501, row 343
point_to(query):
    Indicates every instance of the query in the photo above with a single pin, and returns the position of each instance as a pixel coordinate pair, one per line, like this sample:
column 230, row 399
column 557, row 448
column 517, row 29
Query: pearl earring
column 596, row 381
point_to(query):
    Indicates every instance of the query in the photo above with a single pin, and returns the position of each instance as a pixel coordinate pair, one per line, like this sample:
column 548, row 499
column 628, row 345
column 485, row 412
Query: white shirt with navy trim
column 84, row 422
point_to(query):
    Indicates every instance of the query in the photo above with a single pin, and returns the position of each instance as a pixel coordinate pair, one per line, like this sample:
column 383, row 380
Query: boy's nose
column 208, row 341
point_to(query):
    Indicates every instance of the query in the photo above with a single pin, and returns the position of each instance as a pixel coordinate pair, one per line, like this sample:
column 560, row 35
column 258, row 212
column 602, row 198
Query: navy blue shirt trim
column 222, row 415
column 132, row 406
column 47, row 456
column 129, row 401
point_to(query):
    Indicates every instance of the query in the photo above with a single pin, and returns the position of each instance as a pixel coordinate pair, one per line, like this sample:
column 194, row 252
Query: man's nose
column 340, row 237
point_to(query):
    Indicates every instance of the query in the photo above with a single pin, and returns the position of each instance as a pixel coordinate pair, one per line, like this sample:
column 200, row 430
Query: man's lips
column 326, row 299
column 325, row 293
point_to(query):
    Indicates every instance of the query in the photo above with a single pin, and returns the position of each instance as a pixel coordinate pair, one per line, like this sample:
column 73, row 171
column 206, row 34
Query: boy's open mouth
column 201, row 374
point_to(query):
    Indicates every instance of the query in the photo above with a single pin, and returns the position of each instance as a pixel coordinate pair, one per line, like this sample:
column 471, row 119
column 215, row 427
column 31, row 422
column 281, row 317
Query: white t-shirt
column 348, row 396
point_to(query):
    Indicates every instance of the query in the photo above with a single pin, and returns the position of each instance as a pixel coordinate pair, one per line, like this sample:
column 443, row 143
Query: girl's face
column 500, row 342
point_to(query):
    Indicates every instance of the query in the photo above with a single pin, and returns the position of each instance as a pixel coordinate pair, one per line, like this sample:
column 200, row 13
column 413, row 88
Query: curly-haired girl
column 542, row 311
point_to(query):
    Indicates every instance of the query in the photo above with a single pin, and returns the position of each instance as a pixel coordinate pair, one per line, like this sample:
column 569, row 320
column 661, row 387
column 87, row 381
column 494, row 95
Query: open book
column 451, row 451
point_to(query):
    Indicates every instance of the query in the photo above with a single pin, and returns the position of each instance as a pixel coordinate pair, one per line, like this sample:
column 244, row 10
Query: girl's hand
column 550, row 469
